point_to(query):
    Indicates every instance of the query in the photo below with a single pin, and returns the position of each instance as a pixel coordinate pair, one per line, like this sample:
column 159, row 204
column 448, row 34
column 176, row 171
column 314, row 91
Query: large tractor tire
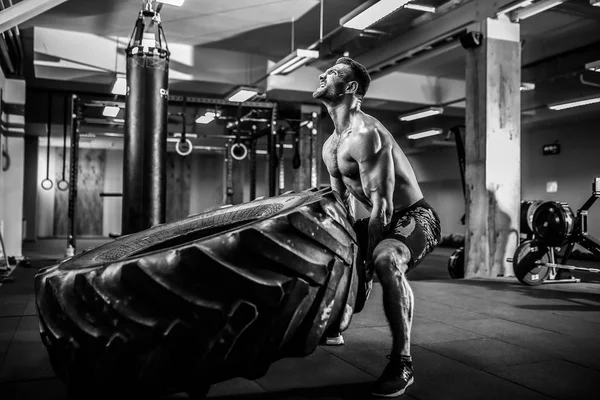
column 218, row 295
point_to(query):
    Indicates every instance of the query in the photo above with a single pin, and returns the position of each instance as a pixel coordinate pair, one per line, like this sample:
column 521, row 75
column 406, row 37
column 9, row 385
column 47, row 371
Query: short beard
column 325, row 95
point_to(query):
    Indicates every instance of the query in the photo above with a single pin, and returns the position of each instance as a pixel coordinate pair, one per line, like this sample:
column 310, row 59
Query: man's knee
column 391, row 258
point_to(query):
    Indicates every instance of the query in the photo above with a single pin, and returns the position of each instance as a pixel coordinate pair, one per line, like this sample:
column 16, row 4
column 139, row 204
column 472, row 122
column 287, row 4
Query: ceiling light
column 578, row 103
column 177, row 3
column 421, row 114
column 119, row 120
column 120, row 85
column 205, row 119
column 293, row 61
column 594, row 65
column 425, row 133
column 527, row 87
column 519, row 4
column 241, row 94
column 419, row 7
column 595, row 3
column 370, row 12
column 111, row 111
column 535, row 9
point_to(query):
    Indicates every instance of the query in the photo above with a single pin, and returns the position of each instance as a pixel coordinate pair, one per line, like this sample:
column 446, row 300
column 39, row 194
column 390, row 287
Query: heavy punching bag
column 145, row 145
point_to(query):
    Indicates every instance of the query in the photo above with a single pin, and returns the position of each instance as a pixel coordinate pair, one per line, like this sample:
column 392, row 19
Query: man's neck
column 342, row 114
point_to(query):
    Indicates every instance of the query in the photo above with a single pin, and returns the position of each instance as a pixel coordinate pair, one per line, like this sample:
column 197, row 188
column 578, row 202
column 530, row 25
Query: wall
column 11, row 181
column 438, row 174
column 573, row 169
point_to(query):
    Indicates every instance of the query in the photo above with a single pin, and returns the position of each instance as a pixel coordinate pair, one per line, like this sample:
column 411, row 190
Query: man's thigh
column 419, row 230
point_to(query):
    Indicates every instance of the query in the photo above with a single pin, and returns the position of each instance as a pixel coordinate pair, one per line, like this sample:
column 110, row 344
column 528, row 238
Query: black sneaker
column 396, row 377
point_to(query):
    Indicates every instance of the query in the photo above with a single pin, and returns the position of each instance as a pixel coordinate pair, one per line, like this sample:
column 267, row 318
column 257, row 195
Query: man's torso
column 340, row 164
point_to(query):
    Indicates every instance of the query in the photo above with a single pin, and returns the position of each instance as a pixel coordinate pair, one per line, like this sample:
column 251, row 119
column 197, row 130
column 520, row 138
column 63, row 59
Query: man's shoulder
column 367, row 128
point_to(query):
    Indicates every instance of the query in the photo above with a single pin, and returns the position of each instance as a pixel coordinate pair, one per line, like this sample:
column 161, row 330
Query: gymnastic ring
column 47, row 184
column 62, row 185
column 184, row 153
column 244, row 151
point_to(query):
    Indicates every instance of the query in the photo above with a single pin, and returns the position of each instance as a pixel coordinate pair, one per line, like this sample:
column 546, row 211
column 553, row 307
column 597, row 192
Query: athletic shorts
column 417, row 226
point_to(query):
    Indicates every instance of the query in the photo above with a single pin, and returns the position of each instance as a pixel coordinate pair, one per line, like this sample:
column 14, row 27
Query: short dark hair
column 359, row 74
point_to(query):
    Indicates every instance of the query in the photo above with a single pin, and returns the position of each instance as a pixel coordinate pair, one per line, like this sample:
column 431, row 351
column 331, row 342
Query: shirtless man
column 364, row 161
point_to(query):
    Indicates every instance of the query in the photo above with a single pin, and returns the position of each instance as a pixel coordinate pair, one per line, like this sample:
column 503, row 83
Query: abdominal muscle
column 406, row 188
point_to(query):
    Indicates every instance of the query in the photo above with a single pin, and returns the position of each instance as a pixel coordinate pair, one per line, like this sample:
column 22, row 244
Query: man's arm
column 377, row 175
column 338, row 186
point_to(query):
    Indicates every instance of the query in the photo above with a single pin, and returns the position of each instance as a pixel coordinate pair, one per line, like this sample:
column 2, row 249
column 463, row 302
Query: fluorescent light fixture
column 87, row 135
column 119, row 120
column 514, row 6
column 594, row 65
column 293, row 61
column 370, row 12
column 536, row 8
column 210, row 114
column 111, row 111
column 421, row 114
column 120, row 85
column 595, row 3
column 527, row 87
column 425, row 133
column 419, row 7
column 205, row 119
column 177, row 3
column 242, row 94
column 578, row 103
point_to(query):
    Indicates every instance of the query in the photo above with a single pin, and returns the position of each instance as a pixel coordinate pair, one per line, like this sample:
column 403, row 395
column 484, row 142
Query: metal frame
column 74, row 165
column 581, row 237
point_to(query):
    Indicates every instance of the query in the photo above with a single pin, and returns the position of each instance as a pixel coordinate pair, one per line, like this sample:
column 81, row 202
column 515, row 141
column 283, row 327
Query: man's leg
column 391, row 258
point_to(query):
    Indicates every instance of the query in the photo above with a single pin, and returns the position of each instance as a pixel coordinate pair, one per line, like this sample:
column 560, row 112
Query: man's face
column 332, row 83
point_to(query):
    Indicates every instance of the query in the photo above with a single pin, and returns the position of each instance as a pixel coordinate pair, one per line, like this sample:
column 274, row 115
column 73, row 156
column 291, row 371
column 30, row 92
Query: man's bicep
column 378, row 178
column 375, row 164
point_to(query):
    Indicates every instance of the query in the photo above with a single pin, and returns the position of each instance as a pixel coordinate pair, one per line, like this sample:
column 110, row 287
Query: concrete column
column 493, row 149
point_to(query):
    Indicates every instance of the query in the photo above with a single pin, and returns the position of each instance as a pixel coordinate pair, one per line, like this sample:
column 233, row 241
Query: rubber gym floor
column 475, row 339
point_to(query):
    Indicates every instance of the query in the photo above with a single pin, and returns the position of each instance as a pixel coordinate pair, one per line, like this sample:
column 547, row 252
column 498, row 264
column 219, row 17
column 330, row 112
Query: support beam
column 24, row 11
column 431, row 29
column 492, row 149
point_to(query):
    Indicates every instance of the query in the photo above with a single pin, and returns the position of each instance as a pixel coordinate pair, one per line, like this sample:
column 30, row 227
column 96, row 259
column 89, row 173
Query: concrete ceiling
column 197, row 22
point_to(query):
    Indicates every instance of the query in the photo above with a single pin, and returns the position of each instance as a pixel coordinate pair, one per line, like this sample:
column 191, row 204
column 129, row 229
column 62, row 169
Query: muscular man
column 364, row 161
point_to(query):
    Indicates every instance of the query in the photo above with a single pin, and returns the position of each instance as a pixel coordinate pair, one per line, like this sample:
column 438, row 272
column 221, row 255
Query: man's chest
column 336, row 156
